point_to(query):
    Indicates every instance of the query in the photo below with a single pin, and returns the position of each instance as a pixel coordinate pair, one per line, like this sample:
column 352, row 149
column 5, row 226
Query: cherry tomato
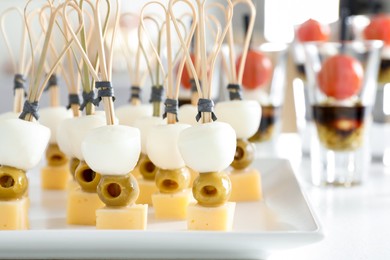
column 257, row 71
column 378, row 29
column 341, row 76
column 312, row 30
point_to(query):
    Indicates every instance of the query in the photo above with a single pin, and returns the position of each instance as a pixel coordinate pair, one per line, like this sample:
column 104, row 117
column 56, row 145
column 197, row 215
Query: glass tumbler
column 271, row 97
column 342, row 83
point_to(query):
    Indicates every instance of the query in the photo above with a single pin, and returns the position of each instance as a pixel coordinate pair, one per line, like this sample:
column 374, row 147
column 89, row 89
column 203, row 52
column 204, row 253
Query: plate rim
column 306, row 236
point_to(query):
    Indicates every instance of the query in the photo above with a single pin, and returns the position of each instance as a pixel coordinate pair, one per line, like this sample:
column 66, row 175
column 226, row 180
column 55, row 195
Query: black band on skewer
column 73, row 99
column 234, row 92
column 157, row 94
column 205, row 106
column 30, row 108
column 88, row 98
column 104, row 90
column 20, row 83
column 194, row 89
column 135, row 93
column 53, row 82
column 172, row 107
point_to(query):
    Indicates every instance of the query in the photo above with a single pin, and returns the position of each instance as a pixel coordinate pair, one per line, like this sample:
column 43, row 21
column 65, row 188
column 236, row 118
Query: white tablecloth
column 356, row 220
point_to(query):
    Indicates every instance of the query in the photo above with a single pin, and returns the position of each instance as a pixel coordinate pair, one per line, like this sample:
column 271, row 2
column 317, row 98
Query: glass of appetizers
column 309, row 31
column 264, row 80
column 377, row 27
column 342, row 79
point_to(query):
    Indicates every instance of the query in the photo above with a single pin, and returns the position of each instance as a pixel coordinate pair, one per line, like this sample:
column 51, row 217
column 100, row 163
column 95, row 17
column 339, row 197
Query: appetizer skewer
column 146, row 167
column 172, row 178
column 25, row 139
column 244, row 116
column 208, row 147
column 111, row 151
column 55, row 174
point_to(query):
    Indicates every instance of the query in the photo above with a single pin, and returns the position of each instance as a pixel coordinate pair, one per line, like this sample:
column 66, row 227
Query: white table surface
column 356, row 220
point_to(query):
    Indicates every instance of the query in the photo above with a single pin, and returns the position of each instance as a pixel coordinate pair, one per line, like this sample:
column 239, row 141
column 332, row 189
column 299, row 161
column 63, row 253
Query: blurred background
column 274, row 23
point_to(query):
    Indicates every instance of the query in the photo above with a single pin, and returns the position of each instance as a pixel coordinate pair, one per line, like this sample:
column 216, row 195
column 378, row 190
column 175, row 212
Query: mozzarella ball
column 208, row 147
column 112, row 149
column 23, row 143
column 243, row 115
column 162, row 148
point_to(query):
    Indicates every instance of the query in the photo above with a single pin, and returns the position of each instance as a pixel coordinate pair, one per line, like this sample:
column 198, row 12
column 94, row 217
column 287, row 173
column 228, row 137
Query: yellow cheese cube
column 55, row 178
column 130, row 217
column 72, row 185
column 82, row 206
column 172, row 206
column 246, row 185
column 211, row 218
column 26, row 203
column 146, row 189
column 14, row 214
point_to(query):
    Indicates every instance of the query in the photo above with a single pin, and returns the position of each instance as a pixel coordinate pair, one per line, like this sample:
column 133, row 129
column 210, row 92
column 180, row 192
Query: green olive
column 54, row 156
column 212, row 189
column 147, row 168
column 13, row 183
column 86, row 177
column 171, row 181
column 245, row 154
column 73, row 163
column 118, row 191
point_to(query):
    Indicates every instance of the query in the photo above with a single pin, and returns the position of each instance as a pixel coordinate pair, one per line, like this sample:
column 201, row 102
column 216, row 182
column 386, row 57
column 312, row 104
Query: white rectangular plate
column 282, row 220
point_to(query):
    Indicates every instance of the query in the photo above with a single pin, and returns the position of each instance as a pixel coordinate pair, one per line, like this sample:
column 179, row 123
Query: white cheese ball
column 51, row 117
column 102, row 114
column 187, row 114
column 112, row 149
column 128, row 114
column 144, row 124
column 23, row 143
column 258, row 95
column 71, row 132
column 208, row 147
column 162, row 147
column 9, row 115
column 63, row 137
column 243, row 115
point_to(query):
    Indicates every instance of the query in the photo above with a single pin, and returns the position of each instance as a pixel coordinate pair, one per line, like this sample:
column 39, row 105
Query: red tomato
column 257, row 71
column 341, row 76
column 378, row 29
column 312, row 30
column 185, row 77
